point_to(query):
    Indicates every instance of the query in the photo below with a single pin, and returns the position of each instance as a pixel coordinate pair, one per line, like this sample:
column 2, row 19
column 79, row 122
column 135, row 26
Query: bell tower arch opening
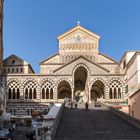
column 80, row 84
column 97, row 90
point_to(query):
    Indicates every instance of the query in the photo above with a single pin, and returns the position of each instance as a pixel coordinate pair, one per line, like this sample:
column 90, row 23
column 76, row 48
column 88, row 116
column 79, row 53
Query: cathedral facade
column 79, row 71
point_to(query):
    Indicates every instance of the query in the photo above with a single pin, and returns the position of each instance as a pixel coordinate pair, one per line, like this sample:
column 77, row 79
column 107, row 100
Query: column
column 113, row 96
column 89, row 94
column 123, row 92
column 21, row 90
column 49, row 93
column 72, row 94
column 55, row 93
column 106, row 90
column 38, row 91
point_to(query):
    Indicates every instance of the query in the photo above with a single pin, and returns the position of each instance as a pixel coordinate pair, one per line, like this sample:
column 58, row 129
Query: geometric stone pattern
column 78, row 63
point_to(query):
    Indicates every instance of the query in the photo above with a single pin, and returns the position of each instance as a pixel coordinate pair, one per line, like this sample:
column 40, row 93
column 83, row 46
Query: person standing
column 75, row 105
column 71, row 104
column 86, row 106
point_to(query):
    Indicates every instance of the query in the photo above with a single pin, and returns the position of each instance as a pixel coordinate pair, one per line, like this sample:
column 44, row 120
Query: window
column 13, row 62
column 124, row 64
column 17, row 70
column 21, row 70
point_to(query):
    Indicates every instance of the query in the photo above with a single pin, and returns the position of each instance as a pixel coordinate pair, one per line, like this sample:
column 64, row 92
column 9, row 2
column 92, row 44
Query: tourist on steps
column 75, row 105
column 86, row 105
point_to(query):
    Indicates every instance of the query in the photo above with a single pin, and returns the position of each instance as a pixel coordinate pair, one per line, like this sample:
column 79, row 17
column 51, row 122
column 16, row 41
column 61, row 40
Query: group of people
column 72, row 104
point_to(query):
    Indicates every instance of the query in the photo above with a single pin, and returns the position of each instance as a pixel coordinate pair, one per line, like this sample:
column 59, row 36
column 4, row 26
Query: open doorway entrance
column 64, row 90
column 97, row 90
column 80, row 84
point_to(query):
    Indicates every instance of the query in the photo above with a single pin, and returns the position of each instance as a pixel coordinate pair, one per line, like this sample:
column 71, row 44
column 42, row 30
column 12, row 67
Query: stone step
column 95, row 124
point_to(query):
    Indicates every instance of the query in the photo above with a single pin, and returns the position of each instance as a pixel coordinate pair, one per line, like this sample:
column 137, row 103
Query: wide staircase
column 96, row 124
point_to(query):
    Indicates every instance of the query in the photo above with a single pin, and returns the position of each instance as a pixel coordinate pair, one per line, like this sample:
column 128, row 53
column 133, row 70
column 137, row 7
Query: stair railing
column 50, row 134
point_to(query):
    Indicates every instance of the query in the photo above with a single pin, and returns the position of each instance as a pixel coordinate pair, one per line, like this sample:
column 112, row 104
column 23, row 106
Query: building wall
column 134, row 102
column 48, row 68
column 19, row 81
column 132, row 74
column 138, row 63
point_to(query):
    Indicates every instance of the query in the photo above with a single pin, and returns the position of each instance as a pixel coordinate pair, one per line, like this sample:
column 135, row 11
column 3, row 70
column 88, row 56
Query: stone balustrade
column 52, row 130
column 126, row 117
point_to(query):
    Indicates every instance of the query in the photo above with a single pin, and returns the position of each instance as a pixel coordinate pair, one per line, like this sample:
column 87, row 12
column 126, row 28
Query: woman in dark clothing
column 86, row 105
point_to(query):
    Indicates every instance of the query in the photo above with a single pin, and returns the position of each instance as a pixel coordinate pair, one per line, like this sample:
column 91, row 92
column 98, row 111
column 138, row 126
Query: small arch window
column 13, row 62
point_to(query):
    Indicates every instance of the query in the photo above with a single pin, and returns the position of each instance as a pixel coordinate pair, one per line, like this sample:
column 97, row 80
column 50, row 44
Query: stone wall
column 134, row 101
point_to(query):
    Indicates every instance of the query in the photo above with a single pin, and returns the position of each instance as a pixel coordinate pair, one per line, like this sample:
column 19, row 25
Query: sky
column 31, row 27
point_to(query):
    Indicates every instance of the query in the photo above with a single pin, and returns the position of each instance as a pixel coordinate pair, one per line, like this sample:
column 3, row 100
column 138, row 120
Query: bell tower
column 1, row 35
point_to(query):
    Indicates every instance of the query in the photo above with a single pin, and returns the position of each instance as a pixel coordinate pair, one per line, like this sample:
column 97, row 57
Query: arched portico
column 97, row 90
column 64, row 90
column 80, row 84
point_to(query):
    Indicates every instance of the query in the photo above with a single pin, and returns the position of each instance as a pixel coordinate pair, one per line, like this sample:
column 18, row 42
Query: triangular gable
column 11, row 58
column 14, row 60
column 93, row 67
column 78, row 39
column 78, row 28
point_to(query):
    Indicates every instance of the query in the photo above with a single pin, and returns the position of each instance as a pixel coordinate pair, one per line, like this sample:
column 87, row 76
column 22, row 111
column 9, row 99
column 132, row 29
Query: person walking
column 71, row 104
column 75, row 105
column 86, row 106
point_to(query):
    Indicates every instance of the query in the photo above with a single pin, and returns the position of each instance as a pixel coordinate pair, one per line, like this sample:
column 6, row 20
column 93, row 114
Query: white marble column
column 123, row 92
column 38, row 92
column 89, row 94
column 72, row 94
column 22, row 93
column 106, row 91
column 55, row 93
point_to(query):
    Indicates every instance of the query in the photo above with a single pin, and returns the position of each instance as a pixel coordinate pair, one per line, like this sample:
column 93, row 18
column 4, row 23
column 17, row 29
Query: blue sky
column 31, row 27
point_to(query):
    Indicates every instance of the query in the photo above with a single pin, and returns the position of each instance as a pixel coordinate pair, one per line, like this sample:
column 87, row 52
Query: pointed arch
column 47, row 89
column 81, row 65
column 116, row 86
column 64, row 90
column 13, row 88
column 97, row 89
column 30, row 86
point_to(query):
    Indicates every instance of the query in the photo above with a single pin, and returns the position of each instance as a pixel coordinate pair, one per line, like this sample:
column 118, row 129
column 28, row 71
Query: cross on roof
column 78, row 23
